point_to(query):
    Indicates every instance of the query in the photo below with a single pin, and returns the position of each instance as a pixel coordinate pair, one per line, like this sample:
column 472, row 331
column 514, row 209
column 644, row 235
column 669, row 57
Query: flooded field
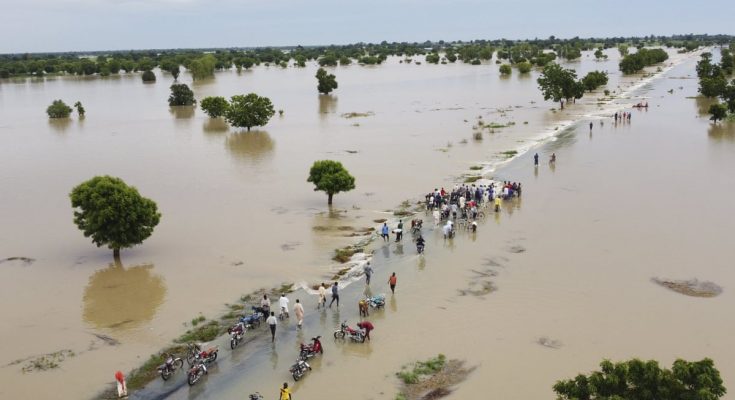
column 572, row 264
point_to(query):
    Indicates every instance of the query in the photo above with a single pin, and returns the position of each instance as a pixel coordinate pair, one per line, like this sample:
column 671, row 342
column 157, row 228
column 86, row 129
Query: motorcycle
column 355, row 335
column 171, row 365
column 253, row 320
column 299, row 369
column 312, row 349
column 196, row 354
column 196, row 372
column 236, row 334
column 420, row 247
column 376, row 301
column 255, row 396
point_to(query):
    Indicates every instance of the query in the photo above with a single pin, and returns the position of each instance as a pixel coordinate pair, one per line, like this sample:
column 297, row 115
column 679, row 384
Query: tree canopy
column 214, row 106
column 635, row 62
column 717, row 112
column 505, row 69
column 58, row 109
column 181, row 95
column 148, row 76
column 202, row 67
column 645, row 380
column 326, row 81
column 330, row 177
column 557, row 83
column 594, row 79
column 80, row 108
column 112, row 213
column 246, row 111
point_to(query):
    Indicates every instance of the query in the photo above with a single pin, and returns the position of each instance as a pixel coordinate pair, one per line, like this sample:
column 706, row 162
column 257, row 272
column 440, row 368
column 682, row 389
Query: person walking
column 272, row 321
column 399, row 230
column 368, row 272
column 283, row 306
column 265, row 305
column 535, row 159
column 335, row 295
column 384, row 232
column 322, row 297
column 590, row 126
column 392, row 282
column 298, row 309
column 285, row 392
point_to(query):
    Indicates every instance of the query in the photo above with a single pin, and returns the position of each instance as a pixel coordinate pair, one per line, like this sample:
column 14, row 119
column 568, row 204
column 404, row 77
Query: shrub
column 505, row 69
column 149, row 76
column 58, row 109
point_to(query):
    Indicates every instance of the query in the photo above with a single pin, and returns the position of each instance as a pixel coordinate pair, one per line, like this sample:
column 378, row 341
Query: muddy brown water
column 622, row 205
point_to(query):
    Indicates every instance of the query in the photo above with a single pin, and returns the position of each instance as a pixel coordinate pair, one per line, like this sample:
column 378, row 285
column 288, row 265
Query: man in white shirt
column 272, row 321
column 322, row 297
column 283, row 305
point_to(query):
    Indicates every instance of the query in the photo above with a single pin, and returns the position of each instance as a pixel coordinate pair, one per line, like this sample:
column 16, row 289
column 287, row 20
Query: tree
column 524, row 67
column 202, row 67
column 645, row 380
column 599, row 54
column 727, row 61
column 148, row 76
column 330, row 177
column 594, row 79
column 327, row 81
column 623, row 49
column 112, row 213
column 249, row 110
column 633, row 63
column 433, row 58
column 505, row 69
column 557, row 83
column 80, row 108
column 717, row 112
column 729, row 96
column 214, row 106
column 181, row 95
column 713, row 86
column 58, row 109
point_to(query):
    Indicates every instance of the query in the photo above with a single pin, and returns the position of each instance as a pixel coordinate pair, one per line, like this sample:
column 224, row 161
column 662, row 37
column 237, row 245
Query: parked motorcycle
column 171, row 365
column 253, row 320
column 237, row 333
column 344, row 330
column 196, row 372
column 312, row 349
column 299, row 369
column 196, row 354
column 377, row 301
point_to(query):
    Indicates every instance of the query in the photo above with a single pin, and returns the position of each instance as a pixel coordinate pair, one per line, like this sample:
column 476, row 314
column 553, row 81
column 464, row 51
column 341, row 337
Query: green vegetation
column 635, row 62
column 202, row 67
column 148, row 76
column 644, row 380
column 599, row 55
column 524, row 67
column 202, row 333
column 214, row 106
column 713, row 83
column 80, row 109
column 421, row 368
column 330, row 177
column 181, row 95
column 344, row 254
column 246, row 111
column 433, row 58
column 594, row 79
column 113, row 213
column 58, row 109
column 717, row 112
column 505, row 69
column 557, row 83
column 326, row 81
column 197, row 320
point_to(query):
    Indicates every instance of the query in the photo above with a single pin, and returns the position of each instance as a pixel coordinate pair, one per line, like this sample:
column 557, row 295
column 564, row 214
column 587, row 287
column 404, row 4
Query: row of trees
column 242, row 111
column 635, row 62
column 713, row 83
column 202, row 62
column 558, row 83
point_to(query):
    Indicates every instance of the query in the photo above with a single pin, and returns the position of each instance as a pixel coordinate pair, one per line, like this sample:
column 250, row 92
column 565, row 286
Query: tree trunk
column 116, row 254
column 329, row 198
column 248, row 129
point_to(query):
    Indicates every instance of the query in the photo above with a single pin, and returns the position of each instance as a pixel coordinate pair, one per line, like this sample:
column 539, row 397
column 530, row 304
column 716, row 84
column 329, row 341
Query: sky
column 86, row 25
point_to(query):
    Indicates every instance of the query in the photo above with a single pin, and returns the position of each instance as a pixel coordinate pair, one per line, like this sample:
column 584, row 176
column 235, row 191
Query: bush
column 214, row 106
column 181, row 95
column 505, row 69
column 58, row 109
column 149, row 76
column 524, row 67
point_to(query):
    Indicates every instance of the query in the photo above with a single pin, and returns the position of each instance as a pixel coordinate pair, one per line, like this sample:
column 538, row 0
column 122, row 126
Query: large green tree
column 202, row 67
column 717, row 112
column 594, row 79
column 326, row 81
column 181, row 95
column 557, row 83
column 330, row 177
column 645, row 380
column 214, row 106
column 246, row 111
column 58, row 109
column 112, row 213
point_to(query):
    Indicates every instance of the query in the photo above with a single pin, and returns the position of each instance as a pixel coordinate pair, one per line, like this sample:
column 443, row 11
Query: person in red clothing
column 366, row 326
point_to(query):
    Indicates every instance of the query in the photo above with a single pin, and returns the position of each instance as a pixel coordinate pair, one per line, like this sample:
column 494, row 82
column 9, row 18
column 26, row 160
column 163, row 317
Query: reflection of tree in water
column 59, row 124
column 327, row 104
column 121, row 298
column 215, row 125
column 182, row 112
column 722, row 131
column 703, row 104
column 253, row 145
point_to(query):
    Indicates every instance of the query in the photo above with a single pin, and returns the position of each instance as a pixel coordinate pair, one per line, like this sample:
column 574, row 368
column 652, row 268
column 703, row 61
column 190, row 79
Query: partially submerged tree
column 202, row 67
column 330, row 177
column 524, row 67
column 80, row 108
column 214, row 106
column 717, row 112
column 249, row 110
column 58, row 109
column 112, row 213
column 148, row 76
column 557, row 83
column 645, row 380
column 505, row 69
column 594, row 79
column 181, row 95
column 326, row 81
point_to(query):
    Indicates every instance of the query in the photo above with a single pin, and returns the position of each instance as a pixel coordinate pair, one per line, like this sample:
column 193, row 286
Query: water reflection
column 722, row 131
column 122, row 298
column 252, row 146
column 215, row 125
column 327, row 104
column 60, row 125
column 182, row 112
column 703, row 104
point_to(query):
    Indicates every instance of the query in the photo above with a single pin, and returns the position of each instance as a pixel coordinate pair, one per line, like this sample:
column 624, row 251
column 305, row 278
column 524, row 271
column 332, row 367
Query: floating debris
column 692, row 287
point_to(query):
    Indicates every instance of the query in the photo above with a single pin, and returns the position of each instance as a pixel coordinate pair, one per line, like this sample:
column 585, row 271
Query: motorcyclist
column 420, row 242
column 366, row 326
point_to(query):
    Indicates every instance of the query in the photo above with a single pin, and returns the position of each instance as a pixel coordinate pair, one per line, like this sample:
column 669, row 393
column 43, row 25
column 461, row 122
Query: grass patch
column 428, row 367
column 203, row 333
column 475, row 167
column 197, row 320
column 471, row 179
column 510, row 153
column 344, row 254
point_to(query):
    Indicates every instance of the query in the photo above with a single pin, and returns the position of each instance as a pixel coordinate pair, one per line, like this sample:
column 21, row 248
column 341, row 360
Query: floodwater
column 623, row 204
